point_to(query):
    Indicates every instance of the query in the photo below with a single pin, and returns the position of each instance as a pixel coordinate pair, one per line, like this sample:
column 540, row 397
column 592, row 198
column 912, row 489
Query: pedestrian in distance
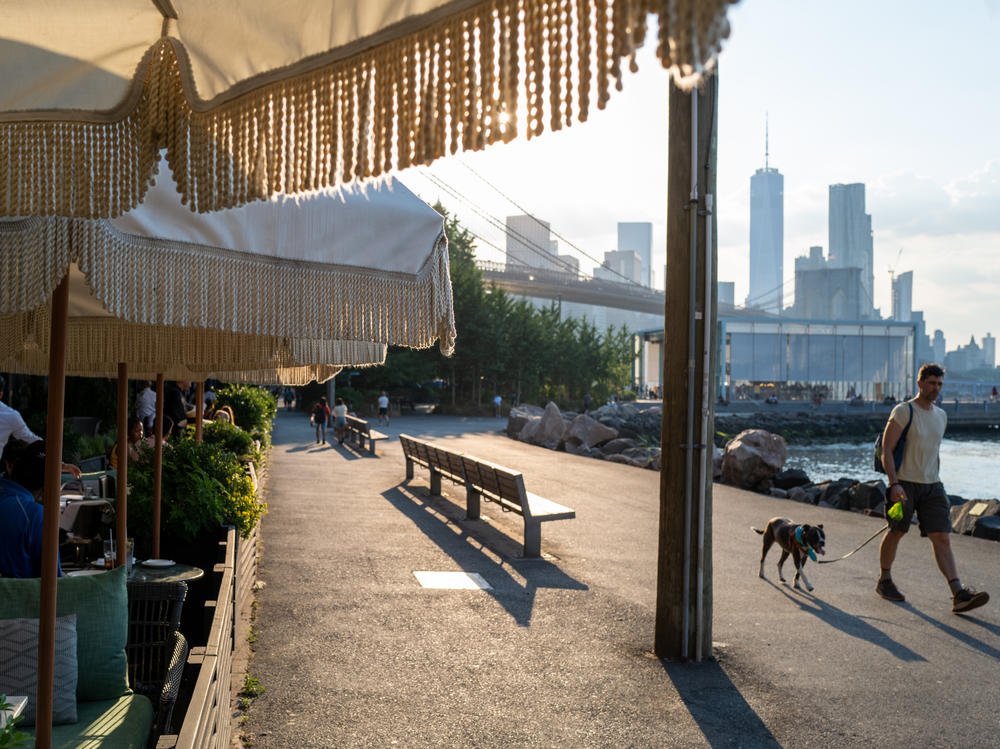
column 320, row 418
column 917, row 485
column 340, row 420
column 497, row 401
column 383, row 408
column 586, row 402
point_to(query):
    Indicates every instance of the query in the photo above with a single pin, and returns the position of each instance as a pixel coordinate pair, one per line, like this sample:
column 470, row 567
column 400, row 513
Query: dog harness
column 798, row 539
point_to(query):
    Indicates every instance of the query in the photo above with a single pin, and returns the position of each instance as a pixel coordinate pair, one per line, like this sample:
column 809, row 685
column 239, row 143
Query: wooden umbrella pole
column 50, row 521
column 199, row 409
column 121, row 481
column 158, row 466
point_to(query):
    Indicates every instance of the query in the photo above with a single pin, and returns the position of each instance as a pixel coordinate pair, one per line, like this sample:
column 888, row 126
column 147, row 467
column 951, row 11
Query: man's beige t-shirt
column 920, row 456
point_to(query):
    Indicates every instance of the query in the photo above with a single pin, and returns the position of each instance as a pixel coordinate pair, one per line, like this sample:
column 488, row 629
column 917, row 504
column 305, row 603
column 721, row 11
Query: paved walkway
column 353, row 652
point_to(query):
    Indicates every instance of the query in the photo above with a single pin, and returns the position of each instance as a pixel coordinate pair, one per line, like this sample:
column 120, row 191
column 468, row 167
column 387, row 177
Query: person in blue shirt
column 20, row 512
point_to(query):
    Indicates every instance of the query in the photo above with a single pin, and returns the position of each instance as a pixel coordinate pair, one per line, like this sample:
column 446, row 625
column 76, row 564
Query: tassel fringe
column 452, row 84
column 163, row 285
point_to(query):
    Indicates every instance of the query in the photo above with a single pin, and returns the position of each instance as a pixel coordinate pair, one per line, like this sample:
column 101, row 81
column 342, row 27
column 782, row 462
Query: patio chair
column 156, row 650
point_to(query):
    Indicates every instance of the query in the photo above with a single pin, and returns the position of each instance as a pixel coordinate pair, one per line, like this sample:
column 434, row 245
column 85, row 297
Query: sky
column 900, row 96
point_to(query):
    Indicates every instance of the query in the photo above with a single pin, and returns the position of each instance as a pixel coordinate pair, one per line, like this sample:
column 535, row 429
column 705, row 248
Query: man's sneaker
column 888, row 590
column 967, row 599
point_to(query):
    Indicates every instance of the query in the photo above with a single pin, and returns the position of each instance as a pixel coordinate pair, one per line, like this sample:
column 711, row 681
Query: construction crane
column 895, row 264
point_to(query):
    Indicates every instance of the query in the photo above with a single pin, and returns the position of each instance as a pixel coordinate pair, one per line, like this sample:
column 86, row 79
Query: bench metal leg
column 472, row 503
column 435, row 483
column 409, row 470
column 532, row 539
column 371, row 445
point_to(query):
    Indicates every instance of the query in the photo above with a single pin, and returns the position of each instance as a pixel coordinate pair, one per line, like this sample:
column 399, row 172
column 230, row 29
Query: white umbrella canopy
column 323, row 280
column 252, row 98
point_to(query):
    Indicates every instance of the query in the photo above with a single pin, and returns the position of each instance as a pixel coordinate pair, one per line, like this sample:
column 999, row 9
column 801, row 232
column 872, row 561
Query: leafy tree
column 508, row 346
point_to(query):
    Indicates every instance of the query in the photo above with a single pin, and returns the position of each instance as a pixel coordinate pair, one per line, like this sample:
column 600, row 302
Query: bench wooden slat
column 487, row 480
column 546, row 509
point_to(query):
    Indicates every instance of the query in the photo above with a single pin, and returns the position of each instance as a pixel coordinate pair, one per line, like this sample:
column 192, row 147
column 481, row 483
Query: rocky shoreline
column 751, row 458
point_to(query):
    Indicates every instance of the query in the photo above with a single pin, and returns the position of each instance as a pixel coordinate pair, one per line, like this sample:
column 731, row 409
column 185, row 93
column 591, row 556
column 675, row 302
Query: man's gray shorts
column 932, row 506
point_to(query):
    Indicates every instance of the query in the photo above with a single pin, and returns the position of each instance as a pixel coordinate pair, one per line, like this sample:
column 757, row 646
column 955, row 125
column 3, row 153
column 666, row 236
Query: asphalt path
column 353, row 652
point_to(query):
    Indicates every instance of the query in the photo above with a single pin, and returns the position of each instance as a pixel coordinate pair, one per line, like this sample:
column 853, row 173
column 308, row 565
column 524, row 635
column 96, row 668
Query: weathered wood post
column 684, row 570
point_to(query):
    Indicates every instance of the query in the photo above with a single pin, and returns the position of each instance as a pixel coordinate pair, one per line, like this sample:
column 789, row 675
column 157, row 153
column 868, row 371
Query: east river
column 970, row 467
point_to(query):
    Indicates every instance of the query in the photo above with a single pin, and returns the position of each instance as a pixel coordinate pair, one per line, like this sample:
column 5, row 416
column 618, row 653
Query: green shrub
column 253, row 407
column 203, row 487
column 230, row 437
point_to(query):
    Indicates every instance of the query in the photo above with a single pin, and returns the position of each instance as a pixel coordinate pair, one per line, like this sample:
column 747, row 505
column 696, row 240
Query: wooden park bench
column 485, row 480
column 359, row 430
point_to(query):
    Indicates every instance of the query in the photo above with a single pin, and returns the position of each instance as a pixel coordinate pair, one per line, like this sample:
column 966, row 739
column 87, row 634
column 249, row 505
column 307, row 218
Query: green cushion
column 100, row 603
column 124, row 722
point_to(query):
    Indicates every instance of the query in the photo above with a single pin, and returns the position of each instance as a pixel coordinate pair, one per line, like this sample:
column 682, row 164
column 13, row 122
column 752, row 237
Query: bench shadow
column 849, row 624
column 717, row 705
column 962, row 637
column 349, row 452
column 467, row 542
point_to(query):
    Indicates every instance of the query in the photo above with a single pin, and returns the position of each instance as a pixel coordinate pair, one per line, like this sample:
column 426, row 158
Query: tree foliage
column 505, row 345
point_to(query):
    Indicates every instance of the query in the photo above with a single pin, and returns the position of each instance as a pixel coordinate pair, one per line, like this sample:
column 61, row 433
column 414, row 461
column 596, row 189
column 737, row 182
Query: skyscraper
column 850, row 238
column 529, row 242
column 989, row 351
column 902, row 296
column 621, row 266
column 637, row 237
column 767, row 237
column 767, row 240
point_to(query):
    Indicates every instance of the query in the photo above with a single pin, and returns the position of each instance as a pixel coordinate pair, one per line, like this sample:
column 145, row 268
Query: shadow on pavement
column 849, row 624
column 478, row 547
column 717, row 706
column 962, row 637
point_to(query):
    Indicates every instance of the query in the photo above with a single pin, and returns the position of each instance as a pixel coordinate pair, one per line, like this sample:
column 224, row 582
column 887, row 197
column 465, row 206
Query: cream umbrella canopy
column 252, row 98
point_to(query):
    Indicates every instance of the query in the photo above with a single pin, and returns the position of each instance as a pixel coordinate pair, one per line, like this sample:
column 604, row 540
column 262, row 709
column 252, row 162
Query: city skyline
column 918, row 134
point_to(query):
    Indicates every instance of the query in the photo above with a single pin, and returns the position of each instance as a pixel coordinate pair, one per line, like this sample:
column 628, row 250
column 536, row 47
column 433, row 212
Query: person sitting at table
column 20, row 510
column 136, row 440
column 175, row 406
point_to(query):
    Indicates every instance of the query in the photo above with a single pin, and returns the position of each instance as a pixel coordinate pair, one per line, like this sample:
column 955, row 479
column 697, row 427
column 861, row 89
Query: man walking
column 918, row 486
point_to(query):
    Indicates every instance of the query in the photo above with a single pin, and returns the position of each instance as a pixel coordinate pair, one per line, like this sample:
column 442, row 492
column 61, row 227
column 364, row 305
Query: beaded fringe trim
column 162, row 284
column 453, row 83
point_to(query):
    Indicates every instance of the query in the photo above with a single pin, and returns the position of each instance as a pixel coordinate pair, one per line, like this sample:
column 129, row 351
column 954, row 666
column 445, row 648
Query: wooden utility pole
column 684, row 570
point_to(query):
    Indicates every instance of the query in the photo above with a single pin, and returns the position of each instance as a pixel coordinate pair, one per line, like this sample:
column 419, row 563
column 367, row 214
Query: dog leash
column 863, row 544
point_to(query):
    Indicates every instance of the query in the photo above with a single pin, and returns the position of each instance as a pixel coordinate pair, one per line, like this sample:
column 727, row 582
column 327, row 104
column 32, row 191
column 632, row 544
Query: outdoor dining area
column 146, row 546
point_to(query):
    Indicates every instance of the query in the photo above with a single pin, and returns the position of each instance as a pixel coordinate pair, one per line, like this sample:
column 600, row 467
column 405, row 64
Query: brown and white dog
column 799, row 541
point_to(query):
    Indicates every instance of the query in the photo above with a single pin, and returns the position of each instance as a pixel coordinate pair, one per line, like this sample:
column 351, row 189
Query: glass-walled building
column 798, row 359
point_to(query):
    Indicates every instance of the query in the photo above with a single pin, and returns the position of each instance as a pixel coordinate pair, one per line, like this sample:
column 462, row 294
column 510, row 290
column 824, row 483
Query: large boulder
column 616, row 446
column 521, row 416
column 752, row 458
column 587, row 432
column 836, row 493
column 866, row 495
column 987, row 527
column 551, row 427
column 964, row 517
column 790, row 478
column 527, row 433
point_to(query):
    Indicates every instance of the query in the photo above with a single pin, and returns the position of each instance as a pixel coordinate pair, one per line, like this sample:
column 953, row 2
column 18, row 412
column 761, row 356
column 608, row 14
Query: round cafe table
column 175, row 573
